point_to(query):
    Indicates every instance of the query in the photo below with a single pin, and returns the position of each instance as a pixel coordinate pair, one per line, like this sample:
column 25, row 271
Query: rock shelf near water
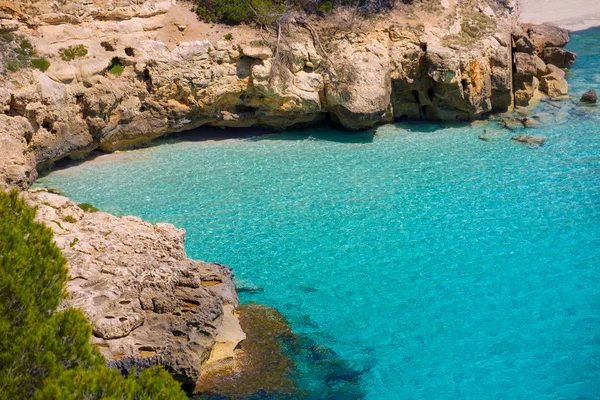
column 147, row 302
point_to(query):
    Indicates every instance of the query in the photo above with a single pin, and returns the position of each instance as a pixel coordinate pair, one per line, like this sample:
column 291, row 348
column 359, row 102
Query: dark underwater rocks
column 589, row 97
column 274, row 363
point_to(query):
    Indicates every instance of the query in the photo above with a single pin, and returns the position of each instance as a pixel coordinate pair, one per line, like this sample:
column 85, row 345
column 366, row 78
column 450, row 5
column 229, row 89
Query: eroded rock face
column 357, row 79
column 539, row 58
column 147, row 302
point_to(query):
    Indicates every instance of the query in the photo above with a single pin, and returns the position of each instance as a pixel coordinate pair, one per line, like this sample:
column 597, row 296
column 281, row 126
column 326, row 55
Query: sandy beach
column 574, row 15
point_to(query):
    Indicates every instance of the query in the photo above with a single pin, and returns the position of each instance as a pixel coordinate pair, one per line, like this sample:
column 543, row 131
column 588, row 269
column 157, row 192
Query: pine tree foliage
column 45, row 354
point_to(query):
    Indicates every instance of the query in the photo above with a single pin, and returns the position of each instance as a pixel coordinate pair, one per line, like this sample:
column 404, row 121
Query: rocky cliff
column 147, row 302
column 152, row 68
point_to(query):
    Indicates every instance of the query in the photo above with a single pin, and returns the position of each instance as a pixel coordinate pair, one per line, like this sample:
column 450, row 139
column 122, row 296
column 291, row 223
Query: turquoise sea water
column 439, row 265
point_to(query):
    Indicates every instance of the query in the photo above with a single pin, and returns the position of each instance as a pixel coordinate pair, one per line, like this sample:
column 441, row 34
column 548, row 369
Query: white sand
column 574, row 15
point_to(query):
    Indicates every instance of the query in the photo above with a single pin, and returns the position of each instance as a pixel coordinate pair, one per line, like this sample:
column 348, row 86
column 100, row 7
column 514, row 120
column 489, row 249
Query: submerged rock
column 534, row 140
column 275, row 363
column 490, row 135
column 245, row 285
column 589, row 97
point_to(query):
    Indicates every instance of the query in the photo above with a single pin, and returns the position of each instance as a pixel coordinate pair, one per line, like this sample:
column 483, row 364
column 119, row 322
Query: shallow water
column 439, row 265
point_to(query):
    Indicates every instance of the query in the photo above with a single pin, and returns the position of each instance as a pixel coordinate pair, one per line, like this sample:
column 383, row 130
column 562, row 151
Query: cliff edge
column 117, row 76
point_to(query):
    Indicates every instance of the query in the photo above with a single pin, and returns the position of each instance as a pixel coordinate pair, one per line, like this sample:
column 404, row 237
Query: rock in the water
column 534, row 140
column 244, row 285
column 589, row 97
column 530, row 122
column 490, row 135
column 513, row 124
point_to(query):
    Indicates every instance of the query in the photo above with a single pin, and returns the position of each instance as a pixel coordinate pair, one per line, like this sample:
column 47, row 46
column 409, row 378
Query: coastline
column 574, row 15
column 75, row 154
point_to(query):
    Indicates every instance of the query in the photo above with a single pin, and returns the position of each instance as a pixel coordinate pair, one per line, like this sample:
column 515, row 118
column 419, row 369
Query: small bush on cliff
column 72, row 52
column 45, row 354
column 115, row 67
column 87, row 207
column 41, row 63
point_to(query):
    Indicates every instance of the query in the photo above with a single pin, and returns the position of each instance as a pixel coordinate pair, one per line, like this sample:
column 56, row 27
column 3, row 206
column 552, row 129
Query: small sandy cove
column 574, row 15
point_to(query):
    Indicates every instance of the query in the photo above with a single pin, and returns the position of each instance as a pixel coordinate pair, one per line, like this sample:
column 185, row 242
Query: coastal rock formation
column 590, row 97
column 538, row 58
column 147, row 302
column 153, row 69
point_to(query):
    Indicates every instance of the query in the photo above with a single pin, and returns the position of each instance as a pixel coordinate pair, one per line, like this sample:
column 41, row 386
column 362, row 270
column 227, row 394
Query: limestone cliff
column 152, row 68
column 147, row 302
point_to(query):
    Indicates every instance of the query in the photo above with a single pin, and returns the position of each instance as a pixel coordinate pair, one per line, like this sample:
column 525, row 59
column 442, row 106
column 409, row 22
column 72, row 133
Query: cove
column 437, row 264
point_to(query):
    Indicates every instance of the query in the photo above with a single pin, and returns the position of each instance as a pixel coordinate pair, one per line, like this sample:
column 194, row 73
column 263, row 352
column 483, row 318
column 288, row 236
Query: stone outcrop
column 147, row 302
column 539, row 57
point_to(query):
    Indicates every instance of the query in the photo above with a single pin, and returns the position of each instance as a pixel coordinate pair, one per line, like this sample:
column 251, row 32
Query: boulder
column 547, row 35
column 490, row 135
column 559, row 57
column 554, row 84
column 532, row 140
column 589, row 97
column 260, row 52
column 525, row 45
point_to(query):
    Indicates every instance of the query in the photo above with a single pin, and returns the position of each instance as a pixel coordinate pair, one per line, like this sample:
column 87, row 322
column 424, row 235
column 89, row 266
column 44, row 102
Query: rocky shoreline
column 455, row 68
column 148, row 303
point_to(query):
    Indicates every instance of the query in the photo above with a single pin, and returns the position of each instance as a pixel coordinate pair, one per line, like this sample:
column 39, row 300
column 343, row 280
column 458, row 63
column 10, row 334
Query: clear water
column 440, row 265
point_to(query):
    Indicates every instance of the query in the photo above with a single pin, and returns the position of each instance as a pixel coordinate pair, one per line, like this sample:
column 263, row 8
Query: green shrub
column 70, row 219
column 229, row 36
column 325, row 7
column 72, row 52
column 115, row 67
column 87, row 207
column 45, row 354
column 40, row 63
column 234, row 12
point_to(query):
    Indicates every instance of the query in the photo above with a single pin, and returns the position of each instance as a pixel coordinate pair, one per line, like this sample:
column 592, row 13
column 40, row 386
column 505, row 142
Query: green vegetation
column 270, row 12
column 16, row 51
column 229, row 36
column 70, row 219
column 115, row 67
column 87, row 207
column 325, row 7
column 40, row 63
column 73, row 52
column 45, row 354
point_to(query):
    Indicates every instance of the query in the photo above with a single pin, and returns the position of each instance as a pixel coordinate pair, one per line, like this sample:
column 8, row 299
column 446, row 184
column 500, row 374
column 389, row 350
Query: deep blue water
column 439, row 265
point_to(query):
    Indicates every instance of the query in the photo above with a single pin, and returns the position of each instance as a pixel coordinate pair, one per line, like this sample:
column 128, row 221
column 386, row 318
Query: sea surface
column 438, row 265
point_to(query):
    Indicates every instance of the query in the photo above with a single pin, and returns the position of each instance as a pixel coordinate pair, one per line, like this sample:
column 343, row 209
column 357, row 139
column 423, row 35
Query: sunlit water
column 439, row 265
